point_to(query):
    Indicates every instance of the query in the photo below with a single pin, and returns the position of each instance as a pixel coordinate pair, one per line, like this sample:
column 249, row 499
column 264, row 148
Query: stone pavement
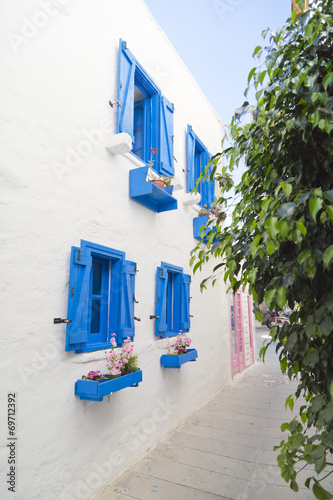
column 224, row 450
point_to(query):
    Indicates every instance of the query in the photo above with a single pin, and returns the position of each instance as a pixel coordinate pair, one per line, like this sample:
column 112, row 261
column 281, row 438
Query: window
column 197, row 159
column 101, row 298
column 144, row 113
column 172, row 301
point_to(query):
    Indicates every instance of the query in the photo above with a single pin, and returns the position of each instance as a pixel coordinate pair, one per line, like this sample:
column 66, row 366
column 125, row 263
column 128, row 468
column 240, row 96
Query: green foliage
column 280, row 241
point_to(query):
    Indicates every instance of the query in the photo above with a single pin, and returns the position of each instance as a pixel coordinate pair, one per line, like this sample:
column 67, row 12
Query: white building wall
column 60, row 185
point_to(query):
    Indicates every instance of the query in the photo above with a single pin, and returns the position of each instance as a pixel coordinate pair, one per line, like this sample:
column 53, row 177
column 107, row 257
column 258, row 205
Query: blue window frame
column 144, row 113
column 197, row 159
column 101, row 298
column 172, row 301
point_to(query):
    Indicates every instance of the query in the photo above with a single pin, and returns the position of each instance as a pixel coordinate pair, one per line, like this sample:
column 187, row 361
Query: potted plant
column 204, row 216
column 123, row 372
column 159, row 180
column 181, row 353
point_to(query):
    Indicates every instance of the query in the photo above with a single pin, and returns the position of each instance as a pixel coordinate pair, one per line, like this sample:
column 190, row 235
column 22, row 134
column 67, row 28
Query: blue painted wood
column 166, row 166
column 125, row 112
column 190, row 159
column 127, row 328
column 78, row 300
column 95, row 390
column 198, row 223
column 160, row 311
column 185, row 319
column 176, row 360
column 148, row 194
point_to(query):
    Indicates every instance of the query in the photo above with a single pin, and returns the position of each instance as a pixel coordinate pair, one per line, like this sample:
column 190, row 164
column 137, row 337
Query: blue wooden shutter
column 185, row 320
column 208, row 186
column 78, row 300
column 166, row 138
column 125, row 112
column 161, row 286
column 127, row 300
column 190, row 159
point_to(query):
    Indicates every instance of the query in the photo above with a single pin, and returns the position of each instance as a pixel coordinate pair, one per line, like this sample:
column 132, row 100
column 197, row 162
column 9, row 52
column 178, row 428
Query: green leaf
column 286, row 210
column 255, row 243
column 256, row 50
column 251, row 74
column 272, row 227
column 329, row 195
column 287, row 188
column 328, row 256
column 320, row 464
column 270, row 247
column 281, row 297
column 327, row 80
column 329, row 210
column 320, row 493
column 269, row 297
column 284, row 228
column 304, row 255
column 301, row 228
column 315, row 204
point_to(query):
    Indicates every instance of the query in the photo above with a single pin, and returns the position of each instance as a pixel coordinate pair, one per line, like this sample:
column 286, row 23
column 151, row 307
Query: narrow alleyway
column 224, row 450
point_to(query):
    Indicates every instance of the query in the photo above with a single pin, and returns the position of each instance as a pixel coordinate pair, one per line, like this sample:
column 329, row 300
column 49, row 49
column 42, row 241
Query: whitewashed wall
column 59, row 68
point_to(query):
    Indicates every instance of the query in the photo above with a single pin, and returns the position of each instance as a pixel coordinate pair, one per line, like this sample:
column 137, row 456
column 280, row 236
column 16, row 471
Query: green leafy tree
column 280, row 241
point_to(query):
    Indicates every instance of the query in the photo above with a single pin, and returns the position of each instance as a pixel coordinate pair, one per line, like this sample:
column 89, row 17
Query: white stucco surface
column 60, row 184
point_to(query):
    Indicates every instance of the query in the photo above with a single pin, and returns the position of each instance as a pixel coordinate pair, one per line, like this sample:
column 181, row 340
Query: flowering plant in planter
column 160, row 180
column 123, row 363
column 180, row 346
column 94, row 375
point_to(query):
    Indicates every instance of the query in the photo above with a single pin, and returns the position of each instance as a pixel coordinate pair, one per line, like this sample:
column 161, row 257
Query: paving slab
column 224, row 450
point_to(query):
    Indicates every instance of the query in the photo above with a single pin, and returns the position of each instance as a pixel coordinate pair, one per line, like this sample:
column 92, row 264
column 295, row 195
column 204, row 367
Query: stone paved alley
column 224, row 450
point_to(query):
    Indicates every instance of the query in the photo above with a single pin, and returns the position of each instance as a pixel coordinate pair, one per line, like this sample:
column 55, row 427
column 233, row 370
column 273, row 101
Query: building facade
column 92, row 95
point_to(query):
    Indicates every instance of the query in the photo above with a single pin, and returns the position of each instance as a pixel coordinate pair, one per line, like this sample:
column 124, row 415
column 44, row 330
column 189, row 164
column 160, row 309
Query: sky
column 216, row 39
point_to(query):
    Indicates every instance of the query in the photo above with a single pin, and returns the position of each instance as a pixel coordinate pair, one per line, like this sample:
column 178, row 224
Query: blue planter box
column 148, row 194
column 95, row 390
column 198, row 222
column 177, row 360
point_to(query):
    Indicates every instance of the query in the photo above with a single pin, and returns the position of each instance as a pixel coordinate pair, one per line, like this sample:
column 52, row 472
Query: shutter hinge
column 72, row 293
column 136, row 267
column 173, row 105
column 137, row 319
column 79, row 254
column 134, row 300
column 173, row 138
column 175, row 158
column 152, row 316
column 115, row 101
column 162, row 272
column 125, row 45
column 56, row 321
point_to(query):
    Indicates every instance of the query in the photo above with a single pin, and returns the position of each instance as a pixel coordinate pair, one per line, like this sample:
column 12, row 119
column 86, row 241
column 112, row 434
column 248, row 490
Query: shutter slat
column 166, row 138
column 78, row 300
column 185, row 320
column 125, row 112
column 190, row 159
column 161, row 285
column 127, row 327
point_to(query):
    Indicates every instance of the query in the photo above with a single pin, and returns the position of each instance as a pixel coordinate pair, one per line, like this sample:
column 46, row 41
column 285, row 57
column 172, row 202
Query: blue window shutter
column 166, row 138
column 127, row 300
column 161, row 286
column 125, row 112
column 78, row 300
column 190, row 159
column 185, row 320
column 209, row 186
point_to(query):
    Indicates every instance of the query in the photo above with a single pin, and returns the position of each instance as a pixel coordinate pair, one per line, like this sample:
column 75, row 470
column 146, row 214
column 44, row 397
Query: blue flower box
column 95, row 390
column 177, row 360
column 198, row 223
column 148, row 194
